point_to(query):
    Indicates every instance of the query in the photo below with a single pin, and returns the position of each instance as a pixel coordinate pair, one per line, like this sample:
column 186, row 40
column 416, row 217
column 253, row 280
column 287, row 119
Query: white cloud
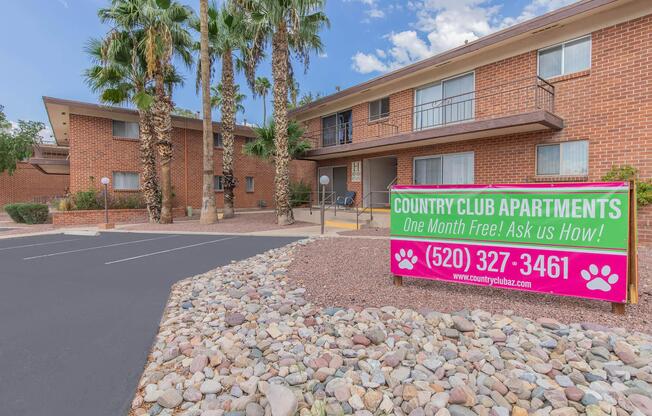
column 365, row 63
column 323, row 54
column 46, row 134
column 64, row 3
column 440, row 25
column 375, row 13
column 373, row 9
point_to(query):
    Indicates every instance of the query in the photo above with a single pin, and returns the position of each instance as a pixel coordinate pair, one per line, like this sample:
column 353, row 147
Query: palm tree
column 208, row 209
column 264, row 146
column 261, row 88
column 293, row 88
column 228, row 35
column 162, row 25
column 238, row 97
column 289, row 25
column 118, row 75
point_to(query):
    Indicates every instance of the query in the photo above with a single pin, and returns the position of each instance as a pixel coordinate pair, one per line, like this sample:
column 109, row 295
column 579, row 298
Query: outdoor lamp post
column 323, row 180
column 105, row 181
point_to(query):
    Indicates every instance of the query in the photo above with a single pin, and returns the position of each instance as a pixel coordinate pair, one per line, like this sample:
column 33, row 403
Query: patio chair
column 345, row 200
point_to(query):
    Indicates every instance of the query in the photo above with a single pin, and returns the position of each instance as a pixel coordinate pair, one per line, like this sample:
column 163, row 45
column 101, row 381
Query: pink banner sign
column 594, row 275
column 569, row 239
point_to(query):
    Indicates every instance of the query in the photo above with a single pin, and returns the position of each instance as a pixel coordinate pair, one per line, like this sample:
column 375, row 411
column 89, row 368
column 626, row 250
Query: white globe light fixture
column 323, row 180
column 105, row 181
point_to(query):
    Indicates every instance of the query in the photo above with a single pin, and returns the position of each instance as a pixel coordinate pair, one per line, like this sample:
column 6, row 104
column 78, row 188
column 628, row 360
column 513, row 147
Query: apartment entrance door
column 337, row 184
column 378, row 174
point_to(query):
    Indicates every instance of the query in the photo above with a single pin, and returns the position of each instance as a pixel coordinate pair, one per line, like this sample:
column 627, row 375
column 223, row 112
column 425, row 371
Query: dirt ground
column 355, row 272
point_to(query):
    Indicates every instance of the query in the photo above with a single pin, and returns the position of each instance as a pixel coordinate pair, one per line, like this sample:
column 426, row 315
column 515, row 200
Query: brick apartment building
column 562, row 97
column 103, row 142
column 35, row 180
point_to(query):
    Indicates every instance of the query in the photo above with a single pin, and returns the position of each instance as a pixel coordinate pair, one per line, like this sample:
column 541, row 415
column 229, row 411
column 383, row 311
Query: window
column 379, row 109
column 337, row 128
column 217, row 140
column 563, row 159
column 249, row 140
column 249, row 183
column 126, row 129
column 456, row 168
column 218, row 184
column 448, row 101
column 126, row 181
column 569, row 57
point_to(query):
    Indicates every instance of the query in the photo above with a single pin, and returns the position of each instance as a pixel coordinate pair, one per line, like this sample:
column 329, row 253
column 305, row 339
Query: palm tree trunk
column 161, row 114
column 151, row 190
column 228, row 126
column 208, row 211
column 264, row 109
column 284, row 213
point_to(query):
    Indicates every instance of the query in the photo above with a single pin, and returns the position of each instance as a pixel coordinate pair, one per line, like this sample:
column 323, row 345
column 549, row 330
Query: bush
column 127, row 202
column 65, row 204
column 12, row 210
column 627, row 173
column 34, row 213
column 28, row 213
column 300, row 193
column 84, row 200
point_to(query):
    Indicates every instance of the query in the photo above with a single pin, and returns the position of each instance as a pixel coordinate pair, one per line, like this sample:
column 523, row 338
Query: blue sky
column 42, row 46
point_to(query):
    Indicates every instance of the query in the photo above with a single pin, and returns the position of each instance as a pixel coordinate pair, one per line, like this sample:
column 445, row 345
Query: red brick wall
column 609, row 105
column 116, row 216
column 28, row 183
column 95, row 153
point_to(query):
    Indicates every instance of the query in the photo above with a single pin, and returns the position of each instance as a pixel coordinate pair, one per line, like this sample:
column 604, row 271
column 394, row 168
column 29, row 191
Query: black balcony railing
column 511, row 98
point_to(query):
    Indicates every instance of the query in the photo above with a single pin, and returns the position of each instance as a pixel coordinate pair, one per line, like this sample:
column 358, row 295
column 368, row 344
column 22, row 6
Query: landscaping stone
column 251, row 345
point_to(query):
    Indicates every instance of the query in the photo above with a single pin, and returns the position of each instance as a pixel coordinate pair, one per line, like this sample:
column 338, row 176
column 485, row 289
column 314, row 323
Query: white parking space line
column 39, row 244
column 169, row 250
column 97, row 247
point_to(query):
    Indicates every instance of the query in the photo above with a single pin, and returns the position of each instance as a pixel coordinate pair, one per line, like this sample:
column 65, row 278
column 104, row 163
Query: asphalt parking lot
column 78, row 314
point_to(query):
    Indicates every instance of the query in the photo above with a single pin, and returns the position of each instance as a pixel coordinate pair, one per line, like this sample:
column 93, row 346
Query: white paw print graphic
column 602, row 282
column 406, row 261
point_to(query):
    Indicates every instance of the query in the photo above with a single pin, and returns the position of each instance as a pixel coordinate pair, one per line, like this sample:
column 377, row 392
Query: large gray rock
column 169, row 399
column 282, row 400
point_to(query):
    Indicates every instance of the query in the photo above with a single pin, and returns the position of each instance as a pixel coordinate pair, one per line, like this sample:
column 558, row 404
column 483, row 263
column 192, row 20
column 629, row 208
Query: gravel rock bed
column 243, row 340
column 367, row 232
column 343, row 270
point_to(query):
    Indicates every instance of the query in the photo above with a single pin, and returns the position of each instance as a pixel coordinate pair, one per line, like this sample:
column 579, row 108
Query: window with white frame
column 563, row 159
column 447, row 101
column 249, row 183
column 378, row 109
column 126, row 129
column 454, row 168
column 566, row 58
column 218, row 183
column 126, row 181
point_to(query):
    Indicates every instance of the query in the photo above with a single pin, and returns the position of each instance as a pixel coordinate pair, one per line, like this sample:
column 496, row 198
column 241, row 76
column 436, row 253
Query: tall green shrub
column 28, row 213
column 627, row 173
column 89, row 199
column 33, row 213
column 300, row 193
column 12, row 210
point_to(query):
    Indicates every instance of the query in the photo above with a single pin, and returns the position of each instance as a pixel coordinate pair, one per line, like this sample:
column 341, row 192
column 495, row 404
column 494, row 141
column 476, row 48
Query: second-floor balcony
column 521, row 105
